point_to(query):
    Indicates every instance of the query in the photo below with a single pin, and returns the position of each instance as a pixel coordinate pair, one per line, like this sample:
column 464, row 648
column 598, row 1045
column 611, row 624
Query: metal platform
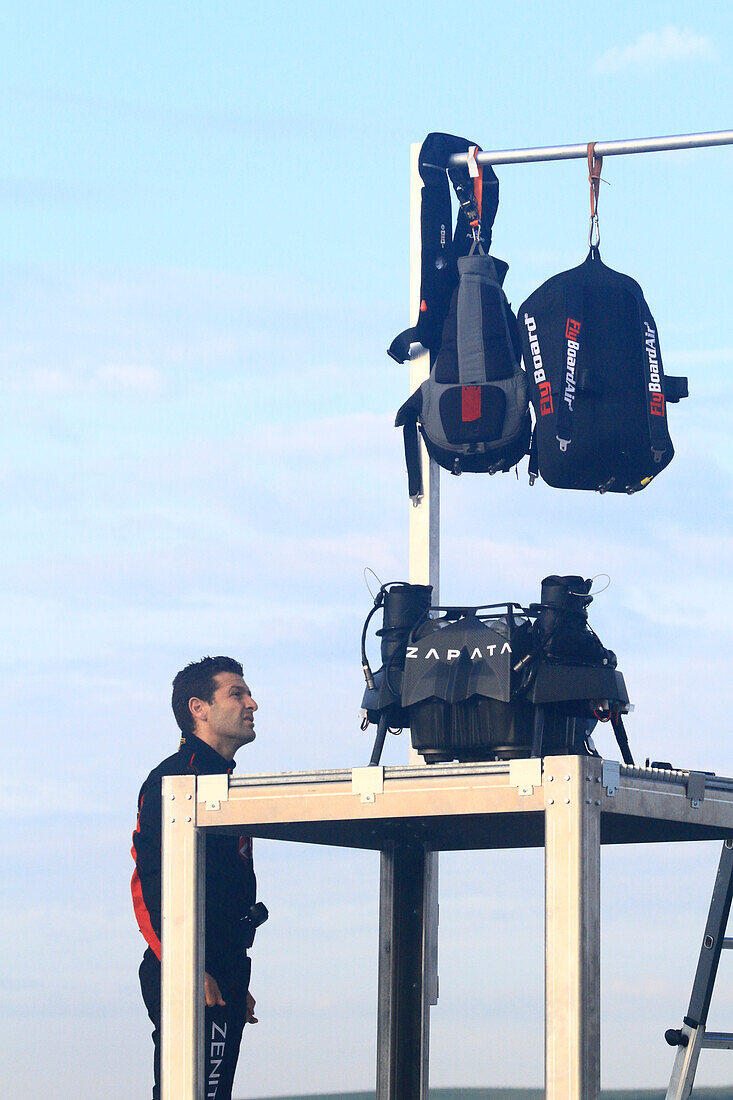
column 569, row 804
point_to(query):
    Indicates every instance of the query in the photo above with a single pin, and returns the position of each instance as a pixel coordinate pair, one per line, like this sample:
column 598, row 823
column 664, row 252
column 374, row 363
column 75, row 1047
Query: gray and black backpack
column 472, row 411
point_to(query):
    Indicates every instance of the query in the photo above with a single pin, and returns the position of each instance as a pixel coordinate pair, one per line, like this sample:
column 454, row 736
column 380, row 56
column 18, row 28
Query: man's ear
column 198, row 708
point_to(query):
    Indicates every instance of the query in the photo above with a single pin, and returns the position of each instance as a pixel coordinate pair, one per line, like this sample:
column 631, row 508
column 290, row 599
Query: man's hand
column 251, row 1002
column 212, row 993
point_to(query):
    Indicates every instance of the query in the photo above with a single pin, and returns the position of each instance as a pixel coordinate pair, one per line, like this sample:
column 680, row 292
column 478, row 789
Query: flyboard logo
column 454, row 654
column 572, row 332
column 656, row 401
column 539, row 375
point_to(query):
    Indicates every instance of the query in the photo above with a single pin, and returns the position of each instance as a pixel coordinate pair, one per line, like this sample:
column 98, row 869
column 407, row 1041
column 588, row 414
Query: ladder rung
column 718, row 1040
column 728, row 943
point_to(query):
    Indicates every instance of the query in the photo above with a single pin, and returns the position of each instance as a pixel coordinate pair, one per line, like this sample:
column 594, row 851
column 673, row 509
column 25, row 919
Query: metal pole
column 425, row 514
column 183, row 917
column 572, row 927
column 424, row 569
column 602, row 148
column 408, row 990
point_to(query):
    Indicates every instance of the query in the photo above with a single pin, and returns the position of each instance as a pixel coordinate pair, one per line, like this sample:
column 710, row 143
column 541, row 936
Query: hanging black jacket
column 230, row 878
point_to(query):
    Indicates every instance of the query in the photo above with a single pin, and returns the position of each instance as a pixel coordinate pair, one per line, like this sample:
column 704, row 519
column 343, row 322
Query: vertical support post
column 402, row 1064
column 424, row 554
column 183, row 919
column 572, row 928
column 425, row 515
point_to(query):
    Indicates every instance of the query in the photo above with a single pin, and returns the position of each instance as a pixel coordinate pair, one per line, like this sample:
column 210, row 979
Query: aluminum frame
column 570, row 804
column 409, row 861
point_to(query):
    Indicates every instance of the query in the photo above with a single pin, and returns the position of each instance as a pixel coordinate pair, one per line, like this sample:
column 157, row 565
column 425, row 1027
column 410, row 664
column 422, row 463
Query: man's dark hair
column 197, row 681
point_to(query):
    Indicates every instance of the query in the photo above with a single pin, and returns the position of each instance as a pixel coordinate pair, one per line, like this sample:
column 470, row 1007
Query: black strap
column 656, row 413
column 440, row 243
column 570, row 379
column 621, row 738
column 399, row 349
column 412, row 455
column 534, row 467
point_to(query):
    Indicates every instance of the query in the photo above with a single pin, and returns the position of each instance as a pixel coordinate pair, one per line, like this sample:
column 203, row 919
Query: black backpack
column 596, row 381
column 473, row 409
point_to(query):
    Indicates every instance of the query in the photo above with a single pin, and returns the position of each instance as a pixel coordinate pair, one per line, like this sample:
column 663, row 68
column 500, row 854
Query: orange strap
column 478, row 187
column 594, row 177
column 476, row 171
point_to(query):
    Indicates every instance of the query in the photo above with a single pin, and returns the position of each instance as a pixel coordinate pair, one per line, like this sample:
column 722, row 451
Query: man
column 214, row 709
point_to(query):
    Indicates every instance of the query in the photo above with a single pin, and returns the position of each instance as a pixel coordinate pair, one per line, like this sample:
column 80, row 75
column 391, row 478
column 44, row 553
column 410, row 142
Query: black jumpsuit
column 230, row 891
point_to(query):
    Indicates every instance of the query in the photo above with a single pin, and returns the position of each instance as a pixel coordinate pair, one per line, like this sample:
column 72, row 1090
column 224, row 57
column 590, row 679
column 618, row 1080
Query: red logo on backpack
column 656, row 404
column 545, row 398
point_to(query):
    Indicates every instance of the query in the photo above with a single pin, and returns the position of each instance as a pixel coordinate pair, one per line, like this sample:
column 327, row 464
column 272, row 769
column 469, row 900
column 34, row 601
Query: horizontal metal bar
column 676, row 776
column 718, row 1040
column 603, row 149
column 488, row 767
column 398, row 771
column 728, row 943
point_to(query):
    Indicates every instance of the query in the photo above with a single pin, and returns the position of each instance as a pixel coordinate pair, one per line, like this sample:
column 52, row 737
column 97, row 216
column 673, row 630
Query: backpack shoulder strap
column 573, row 336
column 440, row 244
column 407, row 418
column 655, row 400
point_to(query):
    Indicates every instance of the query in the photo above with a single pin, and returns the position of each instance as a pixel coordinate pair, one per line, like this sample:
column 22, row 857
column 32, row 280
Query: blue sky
column 203, row 259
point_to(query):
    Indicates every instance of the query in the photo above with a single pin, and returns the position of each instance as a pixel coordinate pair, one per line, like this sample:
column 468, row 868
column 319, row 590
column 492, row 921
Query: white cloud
column 46, row 382
column 656, row 48
column 130, row 378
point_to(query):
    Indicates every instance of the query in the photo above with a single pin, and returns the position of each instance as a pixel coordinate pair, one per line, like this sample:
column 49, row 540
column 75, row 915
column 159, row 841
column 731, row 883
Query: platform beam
column 409, row 814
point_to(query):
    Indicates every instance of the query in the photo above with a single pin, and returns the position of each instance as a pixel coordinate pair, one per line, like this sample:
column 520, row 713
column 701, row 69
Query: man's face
column 230, row 716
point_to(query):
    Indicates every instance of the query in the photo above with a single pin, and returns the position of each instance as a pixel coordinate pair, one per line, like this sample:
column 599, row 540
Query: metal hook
column 595, row 164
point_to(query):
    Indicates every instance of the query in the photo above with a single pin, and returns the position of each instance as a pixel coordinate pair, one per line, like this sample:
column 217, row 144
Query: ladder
column 692, row 1037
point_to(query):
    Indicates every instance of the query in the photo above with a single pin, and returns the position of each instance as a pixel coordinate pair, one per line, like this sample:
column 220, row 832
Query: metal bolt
column 598, row 779
column 550, row 778
column 598, row 802
column 587, row 779
column 567, row 778
column 589, row 801
column 173, row 798
column 173, row 821
column 188, row 797
column 550, row 801
column 567, row 801
column 188, row 819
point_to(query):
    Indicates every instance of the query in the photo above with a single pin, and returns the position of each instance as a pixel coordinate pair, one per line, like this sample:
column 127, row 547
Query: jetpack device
column 497, row 681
